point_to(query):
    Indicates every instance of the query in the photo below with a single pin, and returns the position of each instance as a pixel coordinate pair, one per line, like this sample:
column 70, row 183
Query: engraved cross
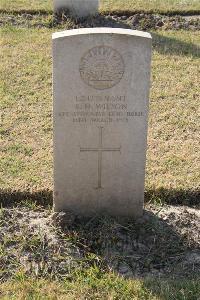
column 100, row 149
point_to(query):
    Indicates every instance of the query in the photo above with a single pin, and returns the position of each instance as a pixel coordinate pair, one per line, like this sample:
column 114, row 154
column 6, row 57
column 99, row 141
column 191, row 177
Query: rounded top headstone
column 77, row 8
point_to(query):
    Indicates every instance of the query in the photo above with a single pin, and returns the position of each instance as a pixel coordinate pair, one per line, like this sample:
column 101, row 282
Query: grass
column 9, row 5
column 26, row 151
column 168, row 6
column 41, row 260
column 26, row 111
column 100, row 286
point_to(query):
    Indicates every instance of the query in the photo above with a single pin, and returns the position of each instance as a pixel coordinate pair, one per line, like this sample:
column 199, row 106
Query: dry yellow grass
column 106, row 286
column 111, row 5
column 25, row 5
column 26, row 111
column 26, row 143
column 167, row 6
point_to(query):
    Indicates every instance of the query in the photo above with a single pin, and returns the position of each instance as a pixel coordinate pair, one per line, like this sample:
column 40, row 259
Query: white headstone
column 101, row 92
column 78, row 8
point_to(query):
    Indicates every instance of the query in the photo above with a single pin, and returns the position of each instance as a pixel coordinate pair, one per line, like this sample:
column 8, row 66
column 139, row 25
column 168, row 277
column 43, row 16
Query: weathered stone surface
column 101, row 90
column 78, row 8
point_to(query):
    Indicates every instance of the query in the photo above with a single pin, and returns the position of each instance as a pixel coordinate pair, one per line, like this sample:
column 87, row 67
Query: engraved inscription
column 102, row 109
column 100, row 149
column 102, row 67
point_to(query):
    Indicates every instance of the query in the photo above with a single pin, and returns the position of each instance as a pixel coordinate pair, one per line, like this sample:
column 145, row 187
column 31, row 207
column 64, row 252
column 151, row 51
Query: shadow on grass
column 186, row 12
column 34, row 12
column 155, row 245
column 166, row 43
column 163, row 44
column 173, row 196
column 173, row 289
column 172, row 46
column 160, row 245
column 9, row 198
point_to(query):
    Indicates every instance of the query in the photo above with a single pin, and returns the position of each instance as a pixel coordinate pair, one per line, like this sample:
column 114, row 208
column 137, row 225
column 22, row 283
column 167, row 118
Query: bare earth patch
column 164, row 242
column 139, row 21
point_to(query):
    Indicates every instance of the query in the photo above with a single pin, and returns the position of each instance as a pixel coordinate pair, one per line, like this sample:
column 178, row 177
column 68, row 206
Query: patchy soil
column 164, row 242
column 140, row 21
